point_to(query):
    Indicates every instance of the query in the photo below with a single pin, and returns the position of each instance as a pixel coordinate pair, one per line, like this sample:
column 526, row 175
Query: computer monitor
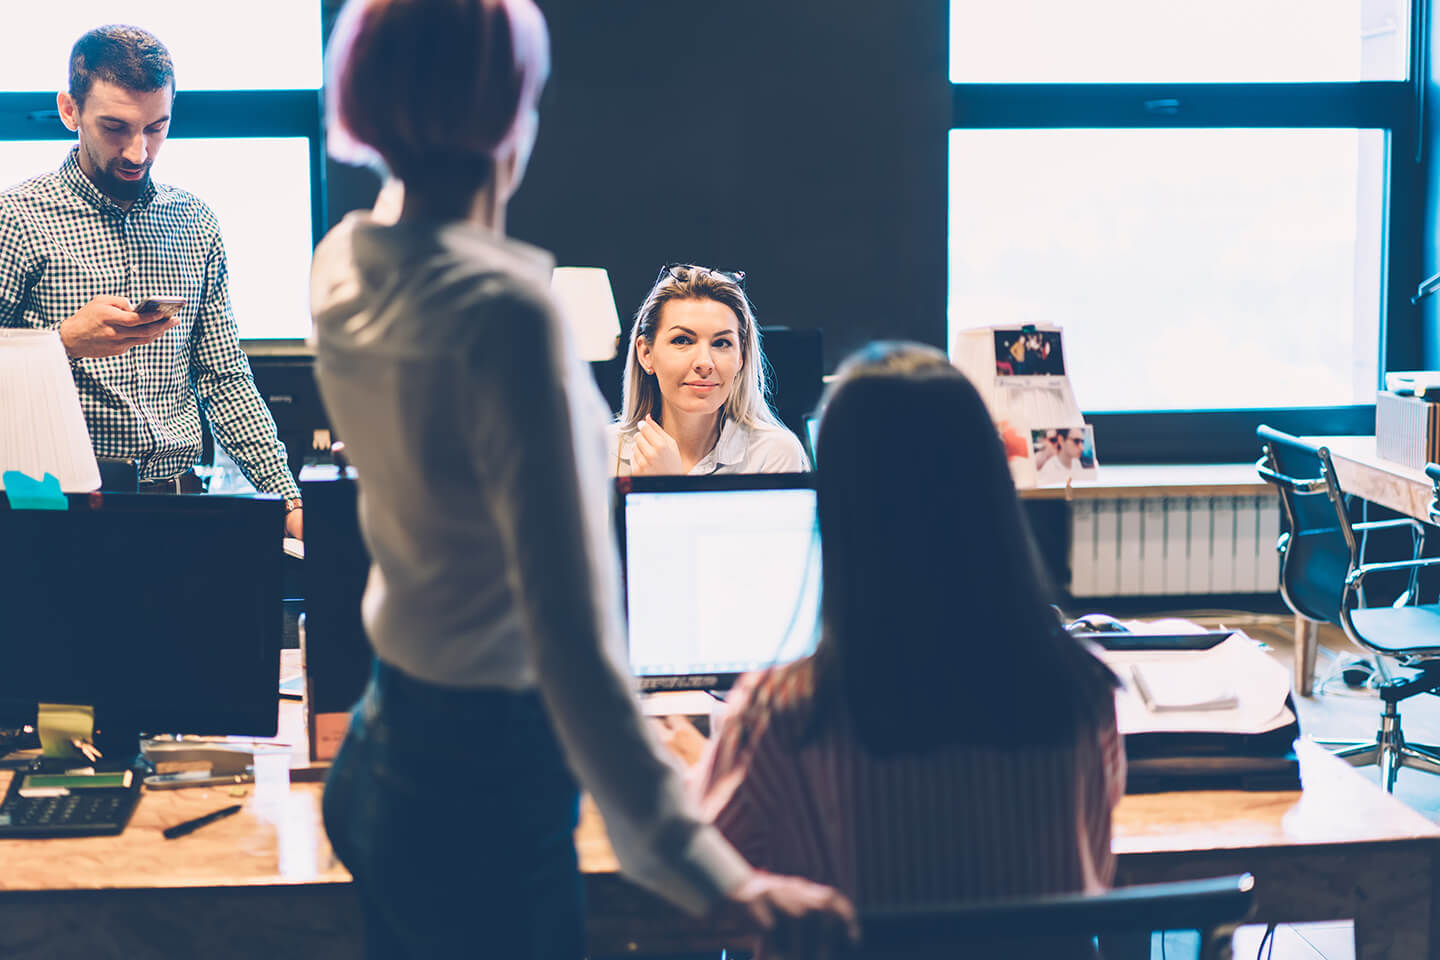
column 722, row 575
column 163, row 612
column 337, row 652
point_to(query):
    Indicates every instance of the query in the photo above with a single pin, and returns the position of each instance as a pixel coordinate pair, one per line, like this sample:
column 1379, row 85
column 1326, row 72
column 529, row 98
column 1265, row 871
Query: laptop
column 722, row 575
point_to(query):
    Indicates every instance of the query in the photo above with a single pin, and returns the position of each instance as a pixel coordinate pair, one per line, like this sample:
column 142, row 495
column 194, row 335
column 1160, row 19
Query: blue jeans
column 455, row 812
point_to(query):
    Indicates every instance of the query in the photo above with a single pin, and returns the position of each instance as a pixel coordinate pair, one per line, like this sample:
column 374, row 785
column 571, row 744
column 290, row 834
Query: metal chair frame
column 1390, row 750
column 1008, row 928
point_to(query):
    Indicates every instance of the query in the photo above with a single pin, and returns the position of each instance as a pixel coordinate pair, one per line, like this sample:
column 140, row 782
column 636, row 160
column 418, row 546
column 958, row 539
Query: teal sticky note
column 27, row 493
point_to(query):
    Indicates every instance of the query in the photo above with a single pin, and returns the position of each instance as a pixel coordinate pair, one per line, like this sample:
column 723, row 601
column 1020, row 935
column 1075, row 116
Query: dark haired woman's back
column 794, row 789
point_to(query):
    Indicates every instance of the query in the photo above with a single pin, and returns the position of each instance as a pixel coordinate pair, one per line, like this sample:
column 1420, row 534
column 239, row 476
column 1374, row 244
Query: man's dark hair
column 125, row 56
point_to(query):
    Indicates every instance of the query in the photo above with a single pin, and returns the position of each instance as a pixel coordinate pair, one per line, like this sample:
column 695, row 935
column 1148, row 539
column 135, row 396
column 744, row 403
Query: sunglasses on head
column 682, row 272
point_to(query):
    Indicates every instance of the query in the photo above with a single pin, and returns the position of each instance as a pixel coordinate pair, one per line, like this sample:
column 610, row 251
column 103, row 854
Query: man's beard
column 108, row 181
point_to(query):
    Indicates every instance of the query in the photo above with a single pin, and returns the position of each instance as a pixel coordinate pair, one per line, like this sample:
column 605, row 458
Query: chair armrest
column 1361, row 572
column 1186, row 905
column 1387, row 524
column 1314, row 485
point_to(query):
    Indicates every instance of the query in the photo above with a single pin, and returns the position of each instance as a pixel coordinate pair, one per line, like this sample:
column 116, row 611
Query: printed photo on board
column 1063, row 453
column 1022, row 353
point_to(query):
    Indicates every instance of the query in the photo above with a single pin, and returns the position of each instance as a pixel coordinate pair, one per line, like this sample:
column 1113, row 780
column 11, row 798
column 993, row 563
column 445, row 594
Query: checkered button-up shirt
column 62, row 243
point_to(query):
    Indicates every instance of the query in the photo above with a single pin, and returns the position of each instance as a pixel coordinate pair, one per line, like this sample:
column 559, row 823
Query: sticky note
column 27, row 493
column 61, row 724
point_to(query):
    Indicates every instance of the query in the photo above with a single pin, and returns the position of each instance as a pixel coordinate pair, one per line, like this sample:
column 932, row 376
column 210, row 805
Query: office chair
column 1322, row 578
column 1005, row 928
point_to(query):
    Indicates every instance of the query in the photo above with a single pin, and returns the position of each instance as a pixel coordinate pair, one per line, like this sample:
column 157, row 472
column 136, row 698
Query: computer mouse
column 1095, row 623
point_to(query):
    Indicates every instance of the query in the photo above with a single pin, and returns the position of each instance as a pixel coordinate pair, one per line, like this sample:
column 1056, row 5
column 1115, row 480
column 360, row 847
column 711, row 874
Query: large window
column 245, row 136
column 1218, row 202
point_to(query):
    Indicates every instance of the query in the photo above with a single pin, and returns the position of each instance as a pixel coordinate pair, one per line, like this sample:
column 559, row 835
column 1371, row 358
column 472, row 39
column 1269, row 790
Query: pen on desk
column 190, row 826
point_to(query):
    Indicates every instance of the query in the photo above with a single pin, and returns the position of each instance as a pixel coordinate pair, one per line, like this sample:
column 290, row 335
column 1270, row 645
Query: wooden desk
column 260, row 883
column 1361, row 472
column 1342, row 848
column 264, row 882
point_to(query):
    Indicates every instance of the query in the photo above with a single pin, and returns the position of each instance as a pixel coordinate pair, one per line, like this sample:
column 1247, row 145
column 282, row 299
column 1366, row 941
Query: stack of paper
column 1179, row 686
column 1231, row 688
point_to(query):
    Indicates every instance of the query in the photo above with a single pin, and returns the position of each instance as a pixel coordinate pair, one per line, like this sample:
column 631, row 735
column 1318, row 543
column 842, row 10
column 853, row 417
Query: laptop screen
column 722, row 575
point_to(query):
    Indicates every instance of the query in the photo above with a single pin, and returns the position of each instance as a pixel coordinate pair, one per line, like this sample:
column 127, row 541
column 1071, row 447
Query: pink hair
column 434, row 88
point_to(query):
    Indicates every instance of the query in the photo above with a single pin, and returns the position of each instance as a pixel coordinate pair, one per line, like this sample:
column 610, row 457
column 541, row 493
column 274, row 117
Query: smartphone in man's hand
column 162, row 307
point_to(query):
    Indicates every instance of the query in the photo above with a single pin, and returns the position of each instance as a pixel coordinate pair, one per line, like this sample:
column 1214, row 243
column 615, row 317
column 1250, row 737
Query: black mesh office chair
column 1005, row 929
column 1322, row 577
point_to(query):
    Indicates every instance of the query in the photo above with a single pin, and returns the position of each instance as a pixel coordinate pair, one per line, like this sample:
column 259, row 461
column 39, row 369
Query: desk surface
column 1341, row 848
column 1366, row 475
column 1160, row 480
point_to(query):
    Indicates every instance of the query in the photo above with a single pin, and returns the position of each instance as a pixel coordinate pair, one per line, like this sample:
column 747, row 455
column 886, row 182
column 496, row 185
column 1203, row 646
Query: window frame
column 221, row 114
column 1393, row 107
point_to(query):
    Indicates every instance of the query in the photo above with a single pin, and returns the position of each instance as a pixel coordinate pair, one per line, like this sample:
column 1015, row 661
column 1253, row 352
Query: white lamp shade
column 588, row 307
column 42, row 428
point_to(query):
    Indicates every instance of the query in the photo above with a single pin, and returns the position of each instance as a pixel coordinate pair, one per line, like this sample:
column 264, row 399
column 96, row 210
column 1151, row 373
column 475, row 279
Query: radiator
column 1174, row 545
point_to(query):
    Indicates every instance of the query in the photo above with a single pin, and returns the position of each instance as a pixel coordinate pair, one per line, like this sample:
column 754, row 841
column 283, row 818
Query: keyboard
column 65, row 805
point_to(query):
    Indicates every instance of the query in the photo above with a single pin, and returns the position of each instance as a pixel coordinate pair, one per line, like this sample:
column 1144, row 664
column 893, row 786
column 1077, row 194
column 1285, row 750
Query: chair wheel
column 1357, row 674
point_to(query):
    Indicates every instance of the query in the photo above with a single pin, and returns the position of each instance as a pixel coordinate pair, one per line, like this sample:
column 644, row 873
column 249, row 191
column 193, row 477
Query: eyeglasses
column 681, row 272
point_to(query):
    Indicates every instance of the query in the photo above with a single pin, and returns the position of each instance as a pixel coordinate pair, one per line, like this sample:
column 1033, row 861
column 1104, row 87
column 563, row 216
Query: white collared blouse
column 757, row 448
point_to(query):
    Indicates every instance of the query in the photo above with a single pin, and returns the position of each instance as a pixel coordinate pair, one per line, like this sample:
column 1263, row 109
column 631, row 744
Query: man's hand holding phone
column 107, row 326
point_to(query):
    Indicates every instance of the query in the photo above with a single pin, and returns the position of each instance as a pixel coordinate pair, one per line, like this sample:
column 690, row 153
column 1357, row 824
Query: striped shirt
column 62, row 243
column 962, row 822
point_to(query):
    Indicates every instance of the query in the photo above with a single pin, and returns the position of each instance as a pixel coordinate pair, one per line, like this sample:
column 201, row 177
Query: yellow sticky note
column 61, row 724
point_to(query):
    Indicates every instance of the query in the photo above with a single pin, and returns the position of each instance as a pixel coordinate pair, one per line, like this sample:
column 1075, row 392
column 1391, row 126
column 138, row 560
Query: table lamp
column 42, row 429
column 588, row 307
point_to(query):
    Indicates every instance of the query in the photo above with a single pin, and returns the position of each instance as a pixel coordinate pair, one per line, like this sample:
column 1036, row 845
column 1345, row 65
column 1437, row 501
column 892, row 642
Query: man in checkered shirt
column 83, row 246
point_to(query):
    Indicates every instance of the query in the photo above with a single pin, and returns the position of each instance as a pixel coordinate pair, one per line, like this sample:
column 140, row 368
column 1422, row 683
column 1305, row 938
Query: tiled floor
column 1336, row 712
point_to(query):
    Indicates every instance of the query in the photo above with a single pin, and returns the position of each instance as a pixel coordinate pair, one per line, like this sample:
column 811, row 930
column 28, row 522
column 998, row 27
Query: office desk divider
column 336, row 650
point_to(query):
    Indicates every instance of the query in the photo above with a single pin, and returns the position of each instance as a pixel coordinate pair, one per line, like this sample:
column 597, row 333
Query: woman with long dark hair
column 947, row 739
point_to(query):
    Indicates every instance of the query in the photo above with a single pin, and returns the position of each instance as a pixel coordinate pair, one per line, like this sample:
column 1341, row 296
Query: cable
column 1268, row 938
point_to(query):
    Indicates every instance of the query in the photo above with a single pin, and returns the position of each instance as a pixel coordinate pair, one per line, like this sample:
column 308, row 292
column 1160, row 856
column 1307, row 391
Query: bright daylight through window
column 1193, row 264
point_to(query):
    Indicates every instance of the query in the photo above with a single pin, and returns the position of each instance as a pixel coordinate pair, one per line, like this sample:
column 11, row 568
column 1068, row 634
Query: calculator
column 68, row 804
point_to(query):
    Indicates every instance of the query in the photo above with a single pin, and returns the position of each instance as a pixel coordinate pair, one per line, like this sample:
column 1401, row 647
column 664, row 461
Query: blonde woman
column 694, row 398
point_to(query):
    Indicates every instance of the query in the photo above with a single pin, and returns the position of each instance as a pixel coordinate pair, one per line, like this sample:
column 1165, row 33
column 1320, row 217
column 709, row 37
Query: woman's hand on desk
column 797, row 918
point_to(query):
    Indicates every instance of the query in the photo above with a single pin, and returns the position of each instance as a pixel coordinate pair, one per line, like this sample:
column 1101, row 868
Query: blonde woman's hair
column 748, row 403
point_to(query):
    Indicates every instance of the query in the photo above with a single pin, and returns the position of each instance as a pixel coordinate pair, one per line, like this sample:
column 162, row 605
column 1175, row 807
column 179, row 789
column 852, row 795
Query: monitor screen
column 722, row 575
column 162, row 612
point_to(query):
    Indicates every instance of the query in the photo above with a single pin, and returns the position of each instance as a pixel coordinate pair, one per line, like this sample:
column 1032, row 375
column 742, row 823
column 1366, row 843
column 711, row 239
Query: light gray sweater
column 479, row 440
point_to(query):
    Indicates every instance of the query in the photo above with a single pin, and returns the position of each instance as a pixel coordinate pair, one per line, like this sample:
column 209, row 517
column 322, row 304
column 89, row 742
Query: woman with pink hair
column 492, row 608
